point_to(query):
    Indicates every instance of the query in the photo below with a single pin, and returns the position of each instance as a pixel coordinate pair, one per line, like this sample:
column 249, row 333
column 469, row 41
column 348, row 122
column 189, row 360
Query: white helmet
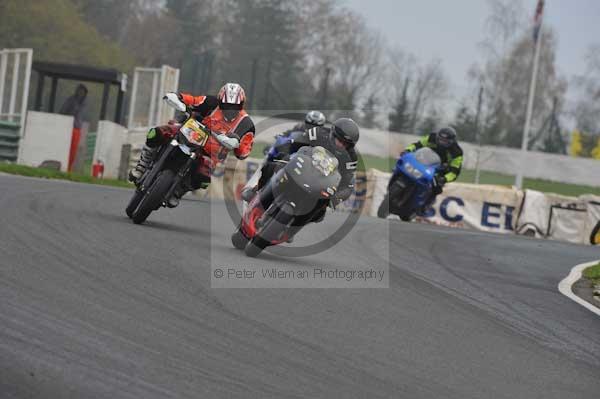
column 232, row 93
column 315, row 118
column 231, row 100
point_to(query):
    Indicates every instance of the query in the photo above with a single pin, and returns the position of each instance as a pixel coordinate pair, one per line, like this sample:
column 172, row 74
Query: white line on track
column 565, row 286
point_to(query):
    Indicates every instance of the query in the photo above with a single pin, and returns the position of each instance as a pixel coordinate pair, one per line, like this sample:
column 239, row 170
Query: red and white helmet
column 231, row 100
column 232, row 93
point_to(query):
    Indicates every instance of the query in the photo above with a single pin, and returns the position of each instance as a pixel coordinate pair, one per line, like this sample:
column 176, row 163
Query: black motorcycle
column 302, row 186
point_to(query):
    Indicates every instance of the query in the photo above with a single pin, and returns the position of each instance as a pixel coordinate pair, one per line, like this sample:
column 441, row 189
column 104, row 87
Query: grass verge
column 592, row 273
column 23, row 170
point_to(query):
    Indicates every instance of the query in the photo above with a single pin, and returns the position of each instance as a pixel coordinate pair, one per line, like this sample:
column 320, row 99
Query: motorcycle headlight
column 323, row 162
column 413, row 171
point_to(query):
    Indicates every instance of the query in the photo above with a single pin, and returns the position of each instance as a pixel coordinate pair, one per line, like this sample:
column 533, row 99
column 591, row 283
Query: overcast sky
column 451, row 29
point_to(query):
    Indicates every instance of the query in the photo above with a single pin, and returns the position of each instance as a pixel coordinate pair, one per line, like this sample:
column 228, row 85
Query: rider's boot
column 144, row 162
column 426, row 208
column 177, row 194
column 184, row 187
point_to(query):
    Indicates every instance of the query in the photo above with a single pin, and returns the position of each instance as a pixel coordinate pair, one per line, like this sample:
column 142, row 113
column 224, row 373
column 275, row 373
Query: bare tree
column 342, row 54
column 506, row 72
column 431, row 86
column 586, row 109
column 503, row 25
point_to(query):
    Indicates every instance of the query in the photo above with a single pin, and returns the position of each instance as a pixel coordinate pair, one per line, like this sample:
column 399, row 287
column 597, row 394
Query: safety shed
column 56, row 71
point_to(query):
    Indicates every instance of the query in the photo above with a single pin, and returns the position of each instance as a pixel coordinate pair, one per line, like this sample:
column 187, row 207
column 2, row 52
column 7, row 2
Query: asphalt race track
column 93, row 306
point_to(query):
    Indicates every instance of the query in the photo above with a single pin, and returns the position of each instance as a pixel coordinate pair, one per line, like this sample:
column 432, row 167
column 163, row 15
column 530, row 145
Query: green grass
column 593, row 273
column 23, row 170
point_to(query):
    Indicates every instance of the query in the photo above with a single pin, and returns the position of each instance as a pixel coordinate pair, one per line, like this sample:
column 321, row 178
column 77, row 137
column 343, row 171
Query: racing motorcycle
column 303, row 183
column 172, row 163
column 411, row 184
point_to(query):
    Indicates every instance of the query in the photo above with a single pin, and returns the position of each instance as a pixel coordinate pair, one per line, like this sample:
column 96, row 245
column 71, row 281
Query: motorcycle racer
column 339, row 139
column 444, row 143
column 223, row 114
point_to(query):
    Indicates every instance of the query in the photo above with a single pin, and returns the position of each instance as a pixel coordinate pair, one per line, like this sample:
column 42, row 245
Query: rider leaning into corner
column 223, row 114
column 339, row 139
column 445, row 144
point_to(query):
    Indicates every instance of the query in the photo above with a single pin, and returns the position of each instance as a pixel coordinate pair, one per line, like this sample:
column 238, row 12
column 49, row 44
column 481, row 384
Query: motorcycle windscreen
column 426, row 156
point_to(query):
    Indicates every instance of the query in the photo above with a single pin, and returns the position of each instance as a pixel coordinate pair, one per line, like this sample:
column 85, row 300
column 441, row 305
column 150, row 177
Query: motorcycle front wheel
column 239, row 240
column 384, row 208
column 134, row 202
column 155, row 196
column 254, row 247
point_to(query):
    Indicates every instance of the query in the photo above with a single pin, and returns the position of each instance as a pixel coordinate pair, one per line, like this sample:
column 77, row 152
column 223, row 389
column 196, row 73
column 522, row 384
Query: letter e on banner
column 487, row 212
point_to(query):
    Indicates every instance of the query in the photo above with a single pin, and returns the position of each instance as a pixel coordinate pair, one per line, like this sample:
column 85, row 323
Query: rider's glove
column 174, row 100
column 335, row 200
column 228, row 142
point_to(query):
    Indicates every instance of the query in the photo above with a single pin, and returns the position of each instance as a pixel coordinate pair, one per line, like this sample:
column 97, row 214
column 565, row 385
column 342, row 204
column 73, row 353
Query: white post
column 15, row 86
column 159, row 95
column 151, row 113
column 133, row 96
column 24, row 100
column 525, row 142
column 3, row 62
column 25, row 95
column 477, row 116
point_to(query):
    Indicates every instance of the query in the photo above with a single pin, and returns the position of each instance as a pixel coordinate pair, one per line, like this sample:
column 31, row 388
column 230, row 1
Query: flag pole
column 525, row 142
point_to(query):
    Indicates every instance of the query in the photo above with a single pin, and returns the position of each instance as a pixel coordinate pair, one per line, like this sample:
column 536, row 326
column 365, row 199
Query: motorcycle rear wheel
column 154, row 197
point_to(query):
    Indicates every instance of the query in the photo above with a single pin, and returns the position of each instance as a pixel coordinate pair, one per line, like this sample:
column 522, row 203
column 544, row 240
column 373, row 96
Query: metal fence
column 149, row 85
column 9, row 141
column 15, row 74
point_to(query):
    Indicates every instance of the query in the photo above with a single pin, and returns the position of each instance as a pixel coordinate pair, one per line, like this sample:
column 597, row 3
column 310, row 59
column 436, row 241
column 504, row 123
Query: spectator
column 75, row 105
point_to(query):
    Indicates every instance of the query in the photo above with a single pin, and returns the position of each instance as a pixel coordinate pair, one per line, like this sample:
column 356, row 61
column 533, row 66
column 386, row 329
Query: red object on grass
column 75, row 137
column 98, row 169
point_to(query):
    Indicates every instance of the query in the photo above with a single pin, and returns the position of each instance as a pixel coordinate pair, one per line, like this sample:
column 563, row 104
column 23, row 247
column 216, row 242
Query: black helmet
column 346, row 131
column 446, row 137
column 314, row 118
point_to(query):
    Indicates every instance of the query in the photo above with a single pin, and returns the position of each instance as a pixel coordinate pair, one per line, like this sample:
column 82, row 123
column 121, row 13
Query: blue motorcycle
column 411, row 184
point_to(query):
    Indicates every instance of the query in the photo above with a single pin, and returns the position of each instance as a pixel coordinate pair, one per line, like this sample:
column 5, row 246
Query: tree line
column 292, row 55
